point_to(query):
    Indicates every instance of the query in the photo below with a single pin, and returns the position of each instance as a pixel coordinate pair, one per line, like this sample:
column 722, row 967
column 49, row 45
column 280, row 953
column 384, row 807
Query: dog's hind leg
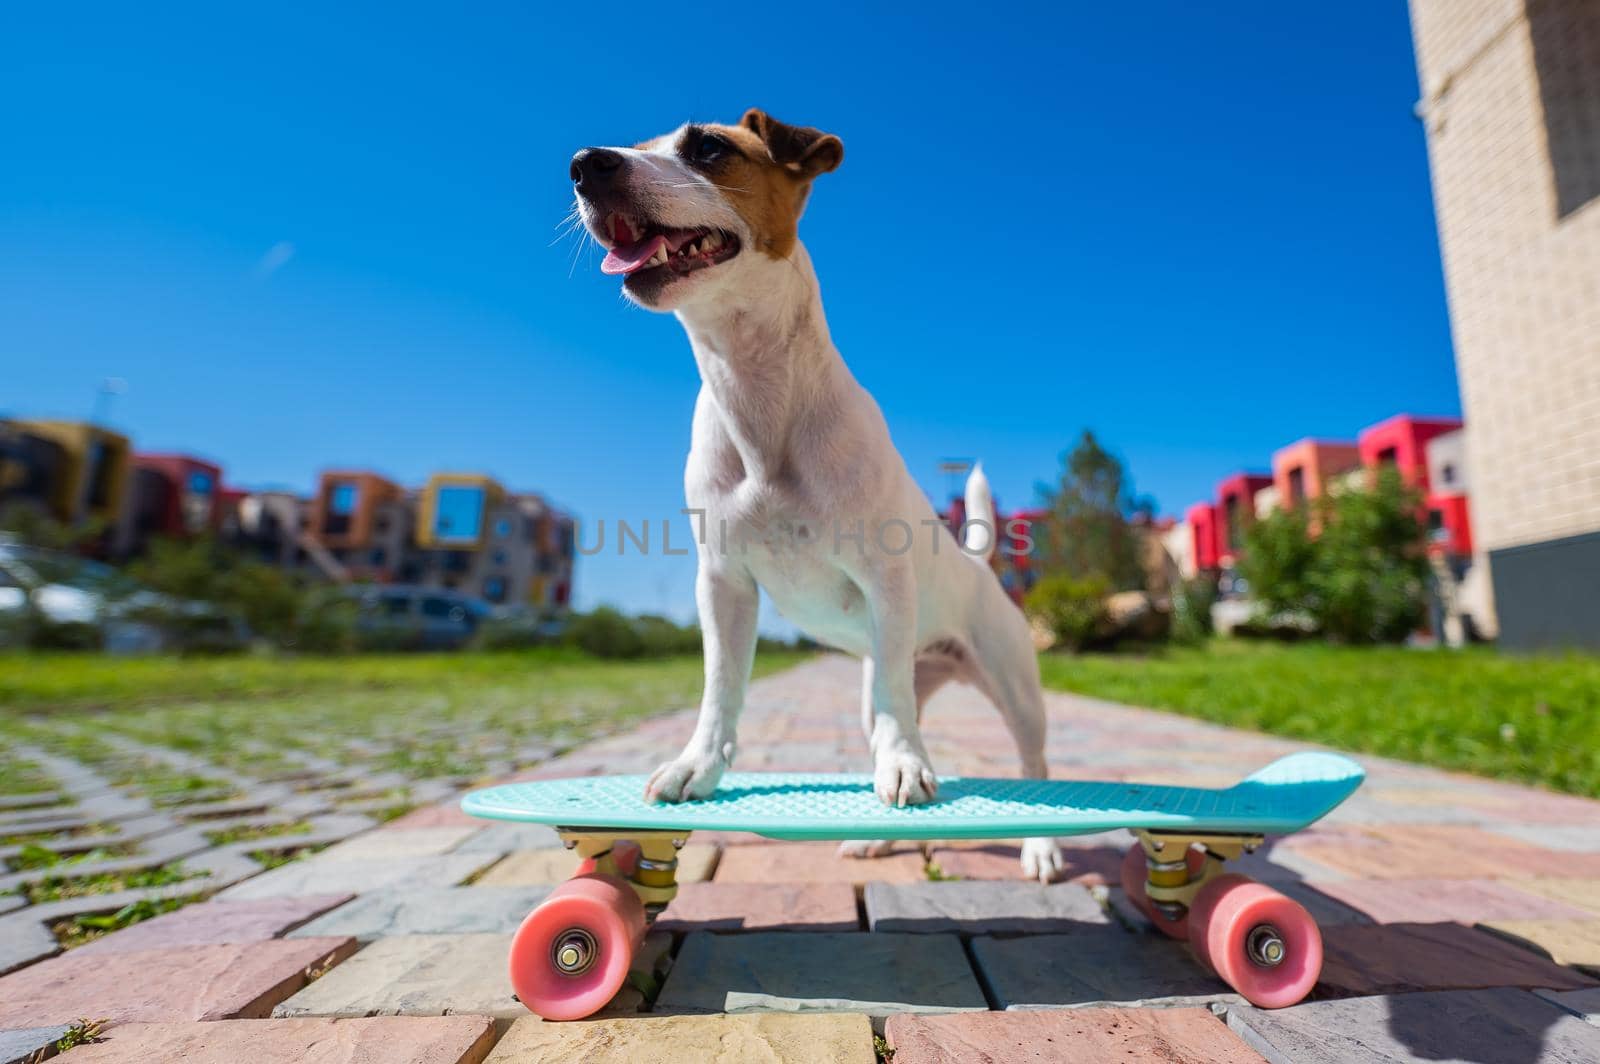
column 1006, row 669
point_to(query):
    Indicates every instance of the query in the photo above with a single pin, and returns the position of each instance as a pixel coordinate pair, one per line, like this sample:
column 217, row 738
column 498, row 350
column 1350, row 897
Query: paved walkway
column 1461, row 920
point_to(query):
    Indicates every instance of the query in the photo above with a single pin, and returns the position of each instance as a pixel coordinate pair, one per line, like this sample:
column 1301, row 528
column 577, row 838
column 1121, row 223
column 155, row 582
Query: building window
column 457, row 561
column 502, row 527
column 1448, row 473
column 499, row 557
column 343, row 498
column 1297, row 486
column 494, row 589
column 378, row 556
column 458, row 514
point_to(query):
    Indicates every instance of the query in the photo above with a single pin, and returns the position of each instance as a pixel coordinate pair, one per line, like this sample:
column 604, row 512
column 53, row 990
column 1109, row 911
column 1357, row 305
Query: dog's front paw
column 685, row 779
column 866, row 848
column 1042, row 860
column 903, row 776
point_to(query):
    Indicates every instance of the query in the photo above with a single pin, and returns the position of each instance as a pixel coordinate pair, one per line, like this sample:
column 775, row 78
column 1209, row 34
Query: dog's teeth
column 712, row 242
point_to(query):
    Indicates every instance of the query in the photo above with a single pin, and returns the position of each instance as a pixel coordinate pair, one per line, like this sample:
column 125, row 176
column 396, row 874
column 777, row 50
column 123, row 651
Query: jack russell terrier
column 791, row 471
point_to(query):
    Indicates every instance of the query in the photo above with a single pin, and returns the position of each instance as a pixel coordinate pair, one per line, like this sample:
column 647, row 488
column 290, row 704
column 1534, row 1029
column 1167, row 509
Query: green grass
column 52, row 682
column 86, row 927
column 57, row 888
column 270, row 859
column 18, row 776
column 33, row 856
column 447, row 716
column 250, row 833
column 1522, row 718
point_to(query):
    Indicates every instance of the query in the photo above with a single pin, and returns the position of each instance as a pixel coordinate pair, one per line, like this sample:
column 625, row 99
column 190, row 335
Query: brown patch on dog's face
column 764, row 168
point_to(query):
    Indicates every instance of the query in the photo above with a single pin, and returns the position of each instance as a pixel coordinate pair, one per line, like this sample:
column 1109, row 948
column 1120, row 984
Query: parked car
column 62, row 600
column 406, row 617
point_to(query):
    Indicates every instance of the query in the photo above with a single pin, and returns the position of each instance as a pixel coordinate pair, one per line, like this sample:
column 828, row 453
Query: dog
column 796, row 486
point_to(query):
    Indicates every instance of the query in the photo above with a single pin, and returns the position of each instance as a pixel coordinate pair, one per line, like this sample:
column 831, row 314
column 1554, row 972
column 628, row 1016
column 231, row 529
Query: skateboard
column 572, row 953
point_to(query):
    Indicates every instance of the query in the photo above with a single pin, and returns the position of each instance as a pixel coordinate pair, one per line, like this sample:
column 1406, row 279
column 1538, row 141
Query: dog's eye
column 710, row 149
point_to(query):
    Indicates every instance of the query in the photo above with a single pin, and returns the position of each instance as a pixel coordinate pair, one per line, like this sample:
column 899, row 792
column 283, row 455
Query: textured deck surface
column 1283, row 797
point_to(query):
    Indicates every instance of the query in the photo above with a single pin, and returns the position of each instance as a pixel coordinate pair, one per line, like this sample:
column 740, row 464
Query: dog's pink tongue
column 632, row 257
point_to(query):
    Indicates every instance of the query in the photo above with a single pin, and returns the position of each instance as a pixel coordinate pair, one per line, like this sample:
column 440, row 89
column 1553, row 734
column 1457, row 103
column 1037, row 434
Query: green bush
column 1362, row 579
column 279, row 607
column 606, row 633
column 1073, row 610
column 1191, row 610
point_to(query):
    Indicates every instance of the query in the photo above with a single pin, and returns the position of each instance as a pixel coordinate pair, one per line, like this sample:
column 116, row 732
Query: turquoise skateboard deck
column 1283, row 797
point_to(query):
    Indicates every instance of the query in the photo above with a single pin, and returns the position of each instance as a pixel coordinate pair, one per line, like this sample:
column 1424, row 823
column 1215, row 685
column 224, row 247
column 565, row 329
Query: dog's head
column 686, row 214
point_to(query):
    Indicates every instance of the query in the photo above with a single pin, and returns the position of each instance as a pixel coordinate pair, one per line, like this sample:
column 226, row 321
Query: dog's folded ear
column 804, row 150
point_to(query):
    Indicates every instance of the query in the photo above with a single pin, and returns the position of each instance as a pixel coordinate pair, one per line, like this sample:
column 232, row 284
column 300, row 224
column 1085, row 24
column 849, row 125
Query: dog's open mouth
column 643, row 245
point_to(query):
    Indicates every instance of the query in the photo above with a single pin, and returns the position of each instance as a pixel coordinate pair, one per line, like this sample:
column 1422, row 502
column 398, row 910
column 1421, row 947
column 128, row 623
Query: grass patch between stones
column 59, row 888
column 252, row 832
column 269, row 859
column 86, row 927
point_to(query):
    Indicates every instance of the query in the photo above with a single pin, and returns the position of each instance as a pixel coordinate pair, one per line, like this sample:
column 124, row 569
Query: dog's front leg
column 901, row 771
column 729, row 604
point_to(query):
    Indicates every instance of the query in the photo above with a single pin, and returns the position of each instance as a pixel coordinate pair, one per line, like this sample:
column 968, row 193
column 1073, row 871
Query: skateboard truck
column 646, row 861
column 1176, row 870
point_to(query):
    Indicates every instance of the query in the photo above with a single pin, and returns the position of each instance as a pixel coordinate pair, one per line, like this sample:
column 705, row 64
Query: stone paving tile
column 1114, row 967
column 317, row 876
column 761, row 907
column 1397, row 901
column 772, row 1038
column 875, row 973
column 391, row 1039
column 23, row 1045
column 1465, row 853
column 1068, row 1036
column 218, row 921
column 1583, row 838
column 23, row 940
column 503, row 838
column 415, row 975
column 697, row 861
column 1580, row 893
column 1003, row 861
column 220, row 981
column 816, row 862
column 530, row 868
column 1573, row 942
column 1395, row 958
column 1501, row 1026
column 982, row 908
column 443, row 815
column 428, row 911
column 396, row 842
column 1584, row 1004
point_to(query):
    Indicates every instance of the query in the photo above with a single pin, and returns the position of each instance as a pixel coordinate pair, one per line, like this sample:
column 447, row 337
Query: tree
column 1088, row 528
column 1363, row 578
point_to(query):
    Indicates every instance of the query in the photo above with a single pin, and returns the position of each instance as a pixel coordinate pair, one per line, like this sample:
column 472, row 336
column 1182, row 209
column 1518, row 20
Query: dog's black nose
column 595, row 168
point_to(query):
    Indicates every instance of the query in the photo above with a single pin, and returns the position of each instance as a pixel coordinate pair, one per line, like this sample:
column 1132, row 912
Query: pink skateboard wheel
column 1264, row 945
column 571, row 954
column 1134, row 871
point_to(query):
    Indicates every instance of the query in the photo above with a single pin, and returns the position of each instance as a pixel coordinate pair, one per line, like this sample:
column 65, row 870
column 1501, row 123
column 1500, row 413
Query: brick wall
column 1511, row 103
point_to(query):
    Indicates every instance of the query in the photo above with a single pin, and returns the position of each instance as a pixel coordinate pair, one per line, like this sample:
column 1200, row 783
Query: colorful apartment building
column 1307, row 469
column 91, row 481
column 461, row 531
column 173, row 495
column 1236, row 510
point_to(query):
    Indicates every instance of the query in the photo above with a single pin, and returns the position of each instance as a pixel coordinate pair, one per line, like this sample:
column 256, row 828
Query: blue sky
column 310, row 238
